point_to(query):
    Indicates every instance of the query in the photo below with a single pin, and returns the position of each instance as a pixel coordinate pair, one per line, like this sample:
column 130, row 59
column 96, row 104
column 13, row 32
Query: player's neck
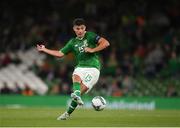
column 80, row 38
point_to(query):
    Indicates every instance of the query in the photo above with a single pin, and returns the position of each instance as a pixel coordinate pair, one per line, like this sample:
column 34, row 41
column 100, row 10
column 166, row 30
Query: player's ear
column 74, row 28
column 84, row 27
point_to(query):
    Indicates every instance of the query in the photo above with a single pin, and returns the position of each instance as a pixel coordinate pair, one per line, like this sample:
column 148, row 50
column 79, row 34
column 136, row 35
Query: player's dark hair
column 79, row 21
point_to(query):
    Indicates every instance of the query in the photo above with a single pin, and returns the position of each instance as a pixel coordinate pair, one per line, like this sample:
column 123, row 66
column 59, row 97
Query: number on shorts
column 88, row 78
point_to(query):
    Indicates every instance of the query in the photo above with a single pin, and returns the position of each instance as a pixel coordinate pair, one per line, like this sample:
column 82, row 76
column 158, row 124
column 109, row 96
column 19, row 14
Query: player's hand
column 90, row 50
column 40, row 47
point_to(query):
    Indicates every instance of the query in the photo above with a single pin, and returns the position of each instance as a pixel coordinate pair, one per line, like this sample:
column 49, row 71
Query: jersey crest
column 82, row 46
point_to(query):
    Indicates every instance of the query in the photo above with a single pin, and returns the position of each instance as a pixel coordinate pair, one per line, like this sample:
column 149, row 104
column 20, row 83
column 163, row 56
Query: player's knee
column 76, row 78
column 83, row 89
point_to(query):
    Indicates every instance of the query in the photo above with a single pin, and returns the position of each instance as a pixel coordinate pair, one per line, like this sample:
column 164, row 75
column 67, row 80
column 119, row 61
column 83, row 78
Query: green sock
column 77, row 88
column 72, row 107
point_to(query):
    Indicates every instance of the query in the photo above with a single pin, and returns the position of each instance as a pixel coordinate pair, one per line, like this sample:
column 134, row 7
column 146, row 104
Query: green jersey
column 77, row 45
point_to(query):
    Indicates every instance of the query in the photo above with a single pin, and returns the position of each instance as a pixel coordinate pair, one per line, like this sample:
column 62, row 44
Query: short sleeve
column 67, row 48
column 95, row 37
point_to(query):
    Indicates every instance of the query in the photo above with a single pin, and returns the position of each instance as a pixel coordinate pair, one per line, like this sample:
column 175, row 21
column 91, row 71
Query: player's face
column 79, row 30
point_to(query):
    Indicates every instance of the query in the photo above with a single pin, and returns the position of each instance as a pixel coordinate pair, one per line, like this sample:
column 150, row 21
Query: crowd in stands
column 144, row 38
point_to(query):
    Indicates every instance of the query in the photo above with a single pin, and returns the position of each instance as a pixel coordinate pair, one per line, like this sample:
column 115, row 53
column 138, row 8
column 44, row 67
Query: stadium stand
column 19, row 76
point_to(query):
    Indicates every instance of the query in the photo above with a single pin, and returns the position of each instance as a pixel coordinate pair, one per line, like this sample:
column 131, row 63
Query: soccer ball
column 98, row 103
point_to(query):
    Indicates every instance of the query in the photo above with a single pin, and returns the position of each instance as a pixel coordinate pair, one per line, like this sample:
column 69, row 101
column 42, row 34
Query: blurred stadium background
column 141, row 66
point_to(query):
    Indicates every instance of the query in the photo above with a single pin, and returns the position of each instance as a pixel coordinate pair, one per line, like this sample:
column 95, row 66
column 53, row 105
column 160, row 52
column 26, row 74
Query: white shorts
column 89, row 76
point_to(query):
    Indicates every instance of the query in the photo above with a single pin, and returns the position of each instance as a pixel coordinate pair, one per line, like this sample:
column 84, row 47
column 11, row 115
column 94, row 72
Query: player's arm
column 55, row 53
column 102, row 44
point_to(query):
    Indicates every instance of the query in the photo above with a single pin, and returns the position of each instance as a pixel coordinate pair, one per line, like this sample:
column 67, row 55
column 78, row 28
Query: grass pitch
column 37, row 116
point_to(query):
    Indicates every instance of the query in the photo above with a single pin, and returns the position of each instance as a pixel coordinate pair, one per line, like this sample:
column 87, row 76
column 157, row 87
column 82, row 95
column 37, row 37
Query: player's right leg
column 83, row 90
column 72, row 106
column 76, row 95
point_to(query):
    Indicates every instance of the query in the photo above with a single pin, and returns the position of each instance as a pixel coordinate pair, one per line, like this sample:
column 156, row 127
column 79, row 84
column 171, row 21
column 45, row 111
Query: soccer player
column 86, row 73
